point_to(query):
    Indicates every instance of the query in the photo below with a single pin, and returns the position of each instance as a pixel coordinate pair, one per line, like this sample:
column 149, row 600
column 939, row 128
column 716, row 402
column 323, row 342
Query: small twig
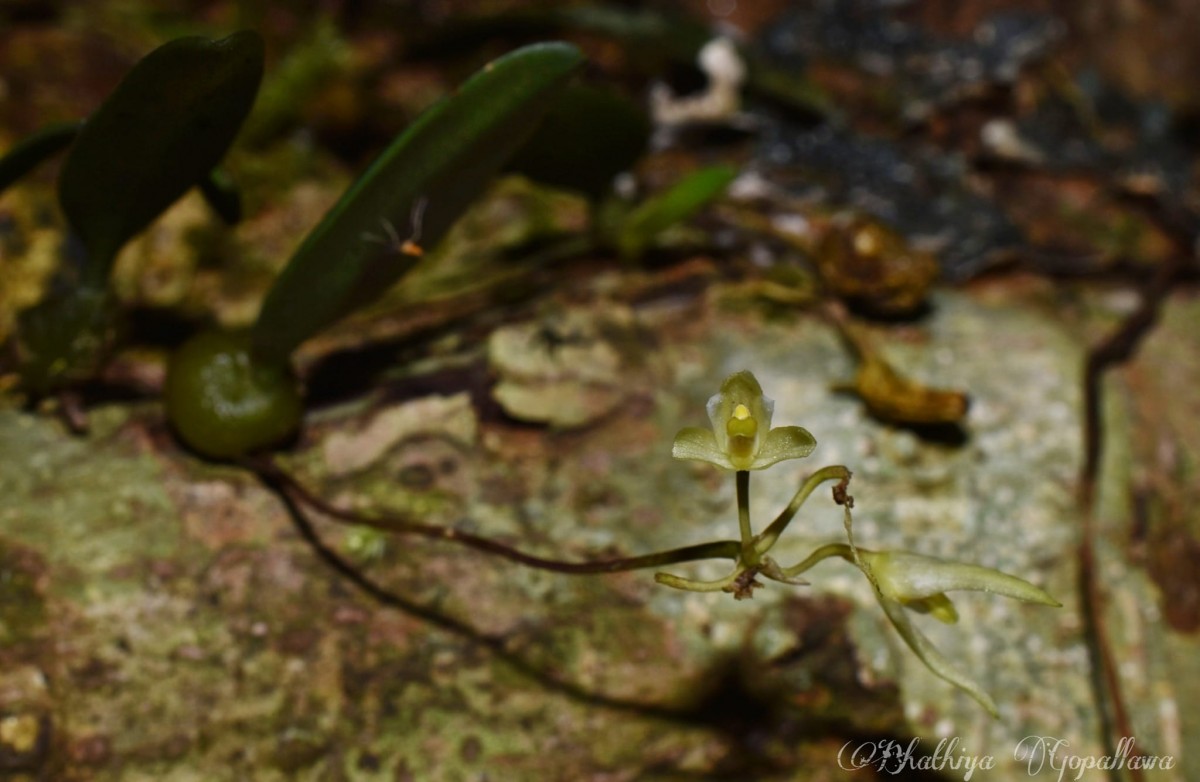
column 1117, row 348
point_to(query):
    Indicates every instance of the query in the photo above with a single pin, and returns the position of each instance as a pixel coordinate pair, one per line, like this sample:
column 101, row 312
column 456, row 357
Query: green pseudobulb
column 222, row 403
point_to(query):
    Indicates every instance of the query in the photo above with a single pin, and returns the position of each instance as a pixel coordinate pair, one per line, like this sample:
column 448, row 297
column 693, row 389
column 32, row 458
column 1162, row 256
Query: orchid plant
column 741, row 439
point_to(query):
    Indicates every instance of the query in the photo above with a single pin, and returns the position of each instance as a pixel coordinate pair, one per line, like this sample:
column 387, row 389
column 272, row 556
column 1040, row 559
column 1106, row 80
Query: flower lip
column 741, row 437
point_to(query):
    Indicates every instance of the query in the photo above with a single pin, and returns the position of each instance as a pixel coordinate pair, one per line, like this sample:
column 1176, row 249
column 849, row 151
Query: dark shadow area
column 952, row 434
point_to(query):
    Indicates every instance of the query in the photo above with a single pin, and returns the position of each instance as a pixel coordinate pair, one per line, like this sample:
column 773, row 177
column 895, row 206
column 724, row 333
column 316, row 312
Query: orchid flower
column 741, row 437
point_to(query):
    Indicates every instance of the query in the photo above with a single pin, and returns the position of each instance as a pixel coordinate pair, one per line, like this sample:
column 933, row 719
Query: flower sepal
column 920, row 582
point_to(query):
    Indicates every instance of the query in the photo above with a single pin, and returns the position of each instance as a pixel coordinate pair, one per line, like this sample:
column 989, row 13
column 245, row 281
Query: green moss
column 22, row 609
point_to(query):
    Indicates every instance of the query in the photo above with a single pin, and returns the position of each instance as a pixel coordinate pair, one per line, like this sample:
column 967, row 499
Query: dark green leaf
column 588, row 137
column 428, row 176
column 651, row 34
column 164, row 128
column 30, row 151
column 639, row 230
column 650, row 38
column 222, row 196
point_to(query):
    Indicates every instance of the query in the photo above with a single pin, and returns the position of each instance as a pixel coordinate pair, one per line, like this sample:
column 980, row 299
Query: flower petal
column 692, row 442
column 740, row 388
column 933, row 659
column 719, row 408
column 913, row 577
column 784, row 442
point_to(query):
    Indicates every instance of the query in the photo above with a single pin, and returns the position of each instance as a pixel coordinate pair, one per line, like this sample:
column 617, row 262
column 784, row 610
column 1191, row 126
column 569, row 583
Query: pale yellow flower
column 741, row 437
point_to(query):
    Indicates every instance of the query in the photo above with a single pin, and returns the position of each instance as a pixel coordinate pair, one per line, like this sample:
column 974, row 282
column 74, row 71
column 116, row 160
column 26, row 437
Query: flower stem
column 771, row 534
column 824, row 552
column 678, row 582
column 749, row 553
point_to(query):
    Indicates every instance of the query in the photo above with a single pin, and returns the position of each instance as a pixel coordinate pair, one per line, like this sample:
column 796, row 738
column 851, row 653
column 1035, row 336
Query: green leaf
column 222, row 196
column 31, row 151
column 650, row 39
column 640, row 229
column 588, row 137
column 428, row 176
column 652, row 42
column 164, row 128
